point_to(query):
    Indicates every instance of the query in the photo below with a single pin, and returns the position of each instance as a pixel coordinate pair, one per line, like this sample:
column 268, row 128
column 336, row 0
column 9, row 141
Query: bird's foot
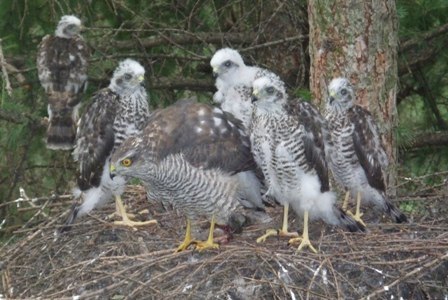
column 116, row 214
column 185, row 245
column 357, row 217
column 200, row 246
column 276, row 232
column 305, row 242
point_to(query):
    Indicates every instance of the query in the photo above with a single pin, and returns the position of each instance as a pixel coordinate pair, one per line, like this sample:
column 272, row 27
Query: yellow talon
column 208, row 244
column 305, row 238
column 121, row 211
column 187, row 241
column 281, row 232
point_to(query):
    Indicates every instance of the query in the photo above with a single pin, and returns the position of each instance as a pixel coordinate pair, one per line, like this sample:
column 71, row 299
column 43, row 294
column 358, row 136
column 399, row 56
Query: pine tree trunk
column 357, row 40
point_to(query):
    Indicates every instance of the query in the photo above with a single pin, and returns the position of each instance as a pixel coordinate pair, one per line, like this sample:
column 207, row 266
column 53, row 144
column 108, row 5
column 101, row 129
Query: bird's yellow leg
column 117, row 211
column 305, row 240
column 187, row 241
column 345, row 203
column 125, row 217
column 281, row 232
column 208, row 244
column 357, row 216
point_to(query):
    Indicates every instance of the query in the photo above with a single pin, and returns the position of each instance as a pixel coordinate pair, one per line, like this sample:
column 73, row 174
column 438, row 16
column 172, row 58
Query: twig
column 408, row 275
column 277, row 42
column 5, row 73
column 411, row 43
column 24, row 197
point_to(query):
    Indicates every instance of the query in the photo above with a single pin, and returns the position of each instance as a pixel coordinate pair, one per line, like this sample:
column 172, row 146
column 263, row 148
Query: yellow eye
column 126, row 162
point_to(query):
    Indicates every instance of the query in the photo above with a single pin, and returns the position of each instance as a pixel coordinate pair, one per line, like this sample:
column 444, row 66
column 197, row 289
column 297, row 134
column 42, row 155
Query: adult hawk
column 188, row 156
column 358, row 160
column 287, row 143
column 62, row 62
column 115, row 113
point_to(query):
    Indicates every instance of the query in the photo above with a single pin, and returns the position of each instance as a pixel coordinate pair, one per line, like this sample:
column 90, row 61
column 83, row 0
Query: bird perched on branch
column 117, row 112
column 357, row 160
column 188, row 156
column 62, row 62
column 287, row 143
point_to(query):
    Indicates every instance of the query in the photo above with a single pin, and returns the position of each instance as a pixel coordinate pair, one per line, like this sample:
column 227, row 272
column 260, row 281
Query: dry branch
column 427, row 36
column 4, row 72
column 432, row 139
column 98, row 259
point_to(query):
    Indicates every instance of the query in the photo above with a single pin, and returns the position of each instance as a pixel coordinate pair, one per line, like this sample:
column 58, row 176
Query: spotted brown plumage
column 114, row 114
column 189, row 156
column 288, row 145
column 62, row 62
column 357, row 158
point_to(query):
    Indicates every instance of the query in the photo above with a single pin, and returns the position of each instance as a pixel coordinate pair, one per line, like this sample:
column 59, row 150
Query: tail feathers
column 71, row 219
column 395, row 213
column 91, row 199
column 350, row 224
column 61, row 132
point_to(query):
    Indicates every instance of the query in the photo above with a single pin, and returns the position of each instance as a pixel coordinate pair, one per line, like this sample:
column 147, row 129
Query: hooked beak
column 254, row 97
column 332, row 95
column 112, row 171
column 82, row 29
column 215, row 72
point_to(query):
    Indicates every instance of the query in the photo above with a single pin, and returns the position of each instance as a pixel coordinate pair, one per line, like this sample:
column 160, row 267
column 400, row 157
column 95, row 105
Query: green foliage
column 427, row 82
column 24, row 160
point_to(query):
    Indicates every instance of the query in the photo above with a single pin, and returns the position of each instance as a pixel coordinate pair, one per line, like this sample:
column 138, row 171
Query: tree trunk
column 357, row 40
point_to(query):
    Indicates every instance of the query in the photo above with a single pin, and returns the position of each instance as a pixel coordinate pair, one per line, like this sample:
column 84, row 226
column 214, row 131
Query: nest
column 97, row 259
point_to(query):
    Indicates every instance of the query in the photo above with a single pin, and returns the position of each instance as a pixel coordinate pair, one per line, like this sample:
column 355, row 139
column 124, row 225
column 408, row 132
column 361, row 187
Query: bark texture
column 357, row 40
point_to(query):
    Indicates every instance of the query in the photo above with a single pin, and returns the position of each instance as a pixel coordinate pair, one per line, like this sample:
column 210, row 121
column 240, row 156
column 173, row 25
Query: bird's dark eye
column 270, row 90
column 228, row 63
column 127, row 76
column 343, row 92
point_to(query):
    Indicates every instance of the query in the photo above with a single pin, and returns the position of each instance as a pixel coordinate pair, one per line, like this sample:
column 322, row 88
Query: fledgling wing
column 95, row 137
column 62, row 64
column 315, row 127
column 368, row 146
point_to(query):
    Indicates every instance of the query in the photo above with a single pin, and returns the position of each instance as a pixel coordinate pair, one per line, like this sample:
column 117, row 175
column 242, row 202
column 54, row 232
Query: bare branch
column 408, row 44
column 5, row 73
column 431, row 140
column 204, row 37
column 170, row 83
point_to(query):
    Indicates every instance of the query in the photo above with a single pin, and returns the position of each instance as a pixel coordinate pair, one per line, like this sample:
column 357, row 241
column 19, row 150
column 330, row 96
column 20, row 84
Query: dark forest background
column 175, row 40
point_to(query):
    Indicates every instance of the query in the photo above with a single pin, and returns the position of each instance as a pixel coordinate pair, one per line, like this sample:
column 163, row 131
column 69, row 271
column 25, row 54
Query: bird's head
column 340, row 94
column 128, row 76
column 268, row 93
column 68, row 27
column 226, row 64
column 127, row 160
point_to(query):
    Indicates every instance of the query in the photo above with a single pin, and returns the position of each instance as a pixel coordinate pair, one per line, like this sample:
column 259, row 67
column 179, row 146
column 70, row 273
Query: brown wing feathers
column 95, row 138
